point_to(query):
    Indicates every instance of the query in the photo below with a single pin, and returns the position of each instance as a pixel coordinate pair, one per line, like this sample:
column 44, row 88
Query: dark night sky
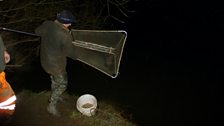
column 172, row 66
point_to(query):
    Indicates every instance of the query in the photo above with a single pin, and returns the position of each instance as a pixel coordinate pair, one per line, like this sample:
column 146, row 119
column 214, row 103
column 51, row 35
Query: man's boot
column 52, row 109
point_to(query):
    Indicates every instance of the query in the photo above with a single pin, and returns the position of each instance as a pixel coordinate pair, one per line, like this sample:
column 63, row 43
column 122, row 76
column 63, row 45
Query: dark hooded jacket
column 56, row 46
column 2, row 58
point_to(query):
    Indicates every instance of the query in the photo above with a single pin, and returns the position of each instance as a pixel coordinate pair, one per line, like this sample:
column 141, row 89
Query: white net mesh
column 100, row 49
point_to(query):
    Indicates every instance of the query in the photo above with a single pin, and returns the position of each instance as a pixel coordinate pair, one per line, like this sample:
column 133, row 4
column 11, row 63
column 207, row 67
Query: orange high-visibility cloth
column 7, row 97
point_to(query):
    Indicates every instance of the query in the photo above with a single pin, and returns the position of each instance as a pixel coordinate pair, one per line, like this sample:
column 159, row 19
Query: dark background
column 175, row 52
column 171, row 70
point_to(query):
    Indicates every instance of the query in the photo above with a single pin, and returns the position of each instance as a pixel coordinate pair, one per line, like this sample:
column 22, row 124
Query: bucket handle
column 92, row 111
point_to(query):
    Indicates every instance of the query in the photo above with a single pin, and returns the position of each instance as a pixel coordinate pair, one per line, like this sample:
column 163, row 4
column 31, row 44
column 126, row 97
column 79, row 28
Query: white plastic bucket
column 87, row 104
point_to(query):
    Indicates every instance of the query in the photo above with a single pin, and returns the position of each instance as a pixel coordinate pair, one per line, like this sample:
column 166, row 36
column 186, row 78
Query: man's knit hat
column 65, row 17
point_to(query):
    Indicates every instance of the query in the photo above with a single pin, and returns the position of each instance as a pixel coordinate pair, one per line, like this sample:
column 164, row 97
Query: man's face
column 67, row 25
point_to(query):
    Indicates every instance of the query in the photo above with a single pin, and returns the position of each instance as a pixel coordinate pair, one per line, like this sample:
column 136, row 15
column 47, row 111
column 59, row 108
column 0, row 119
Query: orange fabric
column 5, row 93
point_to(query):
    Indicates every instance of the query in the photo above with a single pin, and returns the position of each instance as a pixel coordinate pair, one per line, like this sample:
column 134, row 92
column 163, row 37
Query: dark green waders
column 58, row 86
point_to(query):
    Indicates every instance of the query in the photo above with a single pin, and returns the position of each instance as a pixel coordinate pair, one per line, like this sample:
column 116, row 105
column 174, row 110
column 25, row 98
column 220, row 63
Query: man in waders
column 7, row 96
column 56, row 46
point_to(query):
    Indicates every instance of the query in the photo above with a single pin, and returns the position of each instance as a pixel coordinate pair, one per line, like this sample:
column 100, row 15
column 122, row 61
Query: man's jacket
column 2, row 58
column 7, row 98
column 56, row 45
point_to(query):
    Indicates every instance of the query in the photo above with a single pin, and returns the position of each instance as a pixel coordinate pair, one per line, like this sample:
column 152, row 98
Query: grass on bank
column 31, row 110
